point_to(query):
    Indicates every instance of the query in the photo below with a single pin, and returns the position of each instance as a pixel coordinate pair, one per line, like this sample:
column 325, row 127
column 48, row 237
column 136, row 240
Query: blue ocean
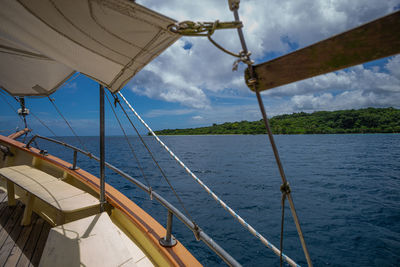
column 346, row 190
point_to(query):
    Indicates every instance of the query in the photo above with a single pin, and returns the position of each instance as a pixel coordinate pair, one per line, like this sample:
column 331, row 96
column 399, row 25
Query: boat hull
column 137, row 224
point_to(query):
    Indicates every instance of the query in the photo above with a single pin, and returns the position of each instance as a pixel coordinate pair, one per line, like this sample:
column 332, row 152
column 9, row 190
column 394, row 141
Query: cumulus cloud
column 356, row 87
column 393, row 66
column 355, row 78
column 193, row 70
column 169, row 87
column 344, row 100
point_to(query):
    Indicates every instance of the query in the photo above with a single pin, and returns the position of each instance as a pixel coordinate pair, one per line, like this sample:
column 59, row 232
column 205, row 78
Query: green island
column 368, row 120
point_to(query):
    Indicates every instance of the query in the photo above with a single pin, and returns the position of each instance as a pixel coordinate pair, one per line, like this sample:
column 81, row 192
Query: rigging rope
column 72, row 130
column 234, row 6
column 282, row 222
column 41, row 122
column 23, row 121
column 155, row 161
column 190, row 28
column 37, row 118
column 9, row 104
column 130, row 145
column 285, row 189
column 209, row 191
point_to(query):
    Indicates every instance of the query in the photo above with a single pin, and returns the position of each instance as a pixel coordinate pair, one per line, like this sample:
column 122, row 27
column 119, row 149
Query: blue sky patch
column 188, row 45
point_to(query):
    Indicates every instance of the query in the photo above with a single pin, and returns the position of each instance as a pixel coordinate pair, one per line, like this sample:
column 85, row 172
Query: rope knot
column 116, row 101
column 233, row 4
column 252, row 81
column 285, row 188
column 243, row 57
column 201, row 28
column 196, row 231
column 190, row 28
column 214, row 26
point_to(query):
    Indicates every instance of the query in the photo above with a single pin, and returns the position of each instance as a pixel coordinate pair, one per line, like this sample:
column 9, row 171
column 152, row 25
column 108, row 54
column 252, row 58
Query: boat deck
column 20, row 245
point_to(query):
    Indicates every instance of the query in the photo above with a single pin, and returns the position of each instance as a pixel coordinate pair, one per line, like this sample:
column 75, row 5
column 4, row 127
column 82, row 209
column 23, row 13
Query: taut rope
column 155, row 161
column 209, row 191
column 52, row 101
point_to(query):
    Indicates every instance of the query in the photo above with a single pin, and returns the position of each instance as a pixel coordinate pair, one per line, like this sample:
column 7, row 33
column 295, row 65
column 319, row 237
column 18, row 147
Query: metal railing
column 168, row 240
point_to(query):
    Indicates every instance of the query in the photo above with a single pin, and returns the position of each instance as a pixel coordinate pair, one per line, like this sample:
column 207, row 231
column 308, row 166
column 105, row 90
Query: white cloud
column 393, row 66
column 191, row 77
column 354, row 99
column 221, row 114
column 197, row 118
column 355, row 78
column 173, row 112
column 309, row 102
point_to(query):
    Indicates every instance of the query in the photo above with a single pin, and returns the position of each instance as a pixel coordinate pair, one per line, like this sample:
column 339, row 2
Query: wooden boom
column 377, row 39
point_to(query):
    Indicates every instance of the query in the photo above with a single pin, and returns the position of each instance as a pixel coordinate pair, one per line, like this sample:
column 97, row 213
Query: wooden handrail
column 19, row 133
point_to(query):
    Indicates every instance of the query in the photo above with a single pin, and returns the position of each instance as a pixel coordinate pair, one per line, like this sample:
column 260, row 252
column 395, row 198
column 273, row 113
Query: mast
column 102, row 150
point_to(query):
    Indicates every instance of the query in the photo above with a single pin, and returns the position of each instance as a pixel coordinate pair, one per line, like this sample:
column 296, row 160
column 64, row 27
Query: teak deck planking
column 20, row 245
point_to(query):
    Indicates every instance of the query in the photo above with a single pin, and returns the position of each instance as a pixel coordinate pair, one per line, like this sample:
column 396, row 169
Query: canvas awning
column 44, row 42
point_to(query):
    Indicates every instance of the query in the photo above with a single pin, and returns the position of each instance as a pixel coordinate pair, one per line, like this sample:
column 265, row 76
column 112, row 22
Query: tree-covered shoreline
column 369, row 120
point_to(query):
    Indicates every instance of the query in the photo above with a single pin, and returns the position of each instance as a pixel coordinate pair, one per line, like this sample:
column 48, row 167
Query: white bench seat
column 91, row 241
column 60, row 195
column 26, row 175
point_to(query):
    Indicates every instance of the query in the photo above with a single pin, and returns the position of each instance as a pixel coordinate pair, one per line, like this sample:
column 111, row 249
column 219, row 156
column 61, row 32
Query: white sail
column 43, row 42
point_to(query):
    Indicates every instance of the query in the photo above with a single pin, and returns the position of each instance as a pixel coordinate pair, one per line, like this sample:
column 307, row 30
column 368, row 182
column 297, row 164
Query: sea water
column 346, row 190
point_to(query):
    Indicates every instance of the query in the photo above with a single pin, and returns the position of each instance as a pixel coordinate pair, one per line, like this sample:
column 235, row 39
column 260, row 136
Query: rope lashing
column 233, row 4
column 285, row 188
column 243, row 57
column 116, row 101
column 209, row 191
column 196, row 232
column 191, row 28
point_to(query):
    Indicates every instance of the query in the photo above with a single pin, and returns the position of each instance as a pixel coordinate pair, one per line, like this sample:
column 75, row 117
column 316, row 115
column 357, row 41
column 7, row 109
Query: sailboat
column 62, row 215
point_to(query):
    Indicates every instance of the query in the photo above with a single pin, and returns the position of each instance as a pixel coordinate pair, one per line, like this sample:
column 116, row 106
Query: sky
column 192, row 84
